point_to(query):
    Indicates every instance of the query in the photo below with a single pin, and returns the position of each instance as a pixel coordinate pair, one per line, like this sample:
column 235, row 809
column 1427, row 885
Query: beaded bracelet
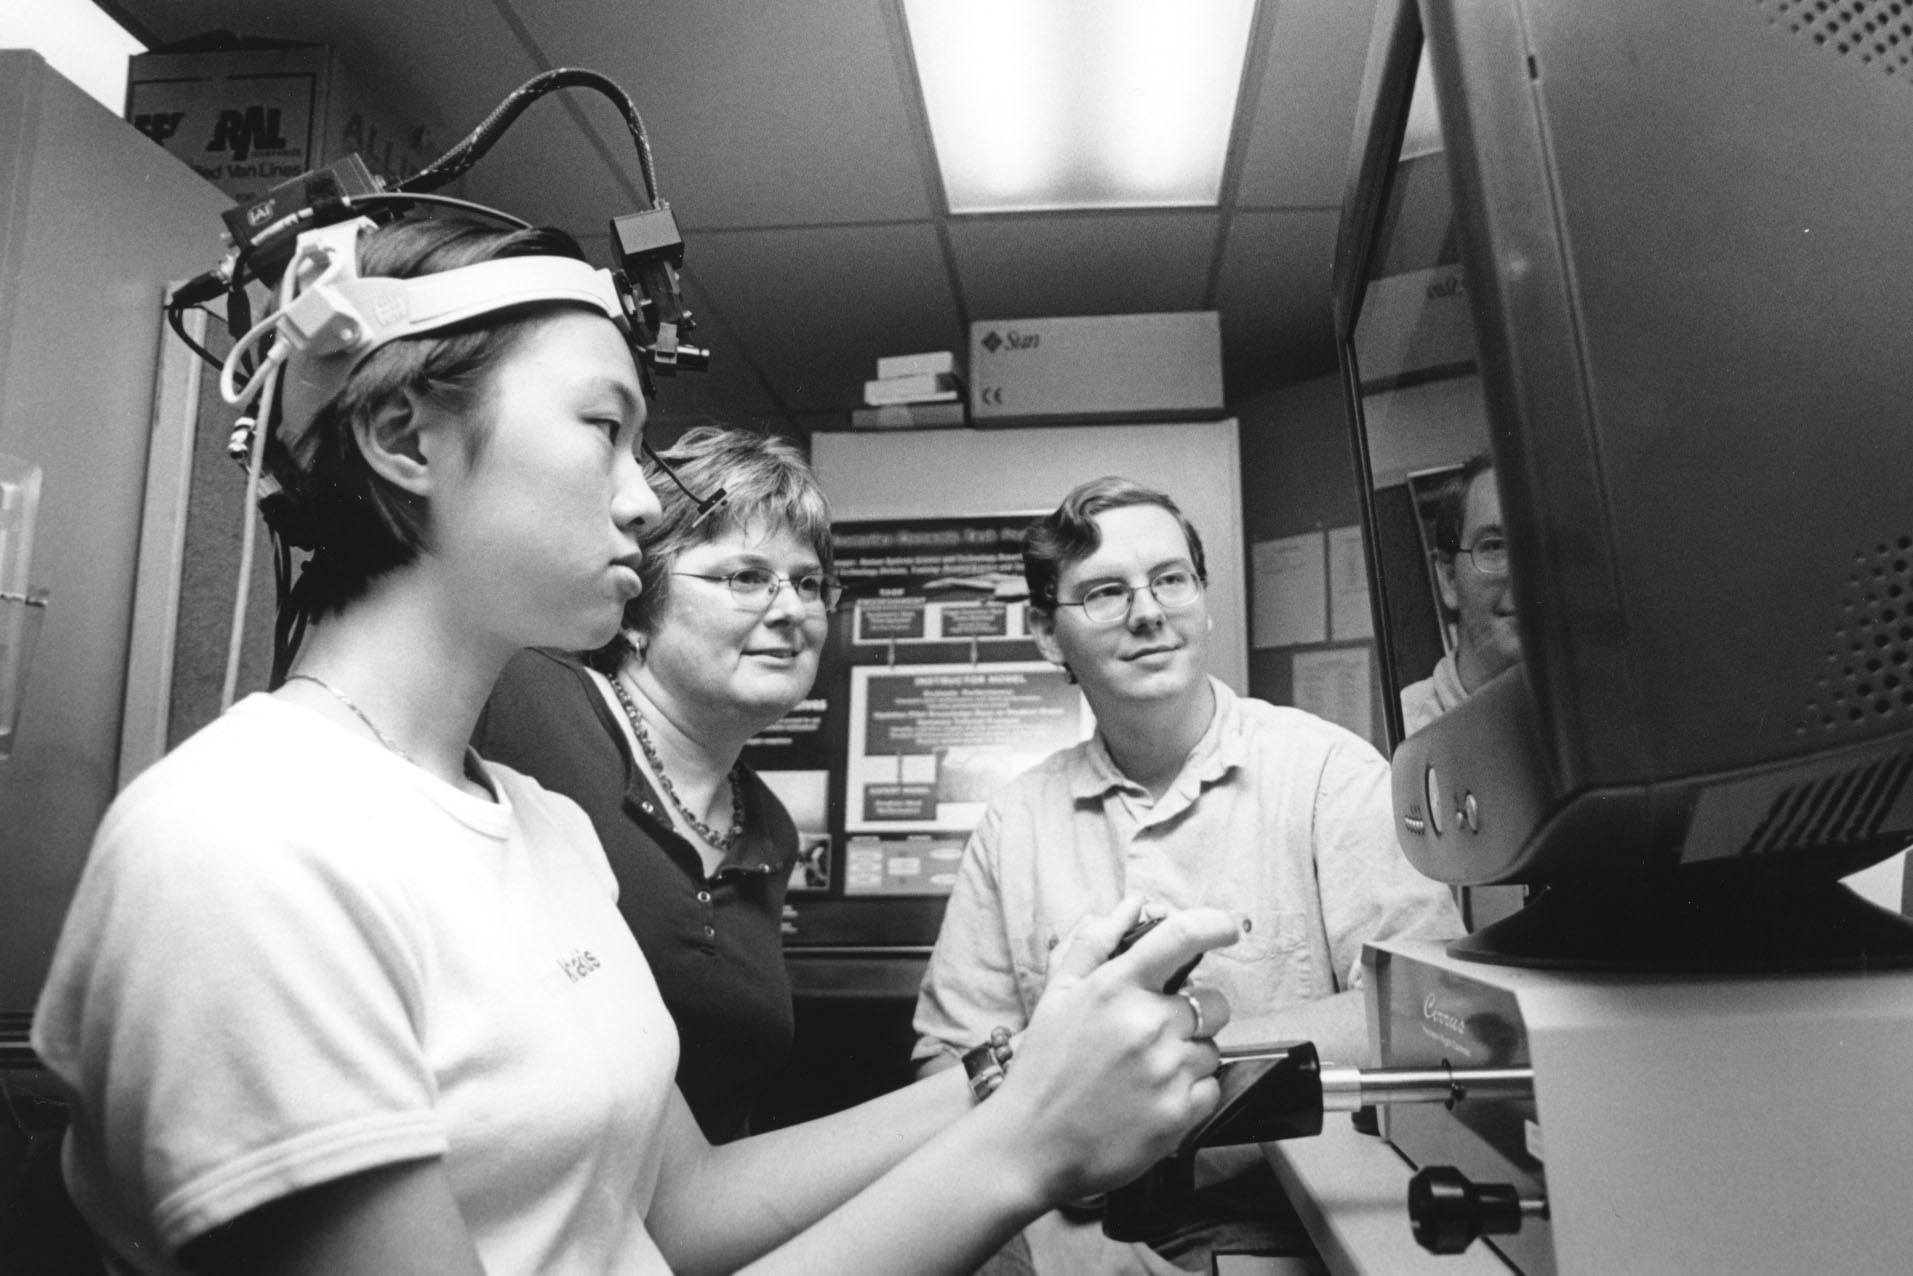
column 986, row 1064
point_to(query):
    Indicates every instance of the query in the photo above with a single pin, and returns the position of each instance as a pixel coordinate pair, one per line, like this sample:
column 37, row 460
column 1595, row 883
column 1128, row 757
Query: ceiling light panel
column 1072, row 104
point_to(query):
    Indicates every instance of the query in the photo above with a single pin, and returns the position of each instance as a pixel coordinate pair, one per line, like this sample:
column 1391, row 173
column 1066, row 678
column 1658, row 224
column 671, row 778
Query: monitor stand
column 1697, row 921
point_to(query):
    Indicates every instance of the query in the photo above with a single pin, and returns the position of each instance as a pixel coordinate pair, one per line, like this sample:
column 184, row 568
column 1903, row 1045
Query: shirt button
column 710, row 931
column 704, row 897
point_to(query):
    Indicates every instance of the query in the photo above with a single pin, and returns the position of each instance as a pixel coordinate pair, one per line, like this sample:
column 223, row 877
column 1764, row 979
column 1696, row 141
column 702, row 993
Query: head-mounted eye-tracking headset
column 302, row 237
column 263, row 232
column 331, row 318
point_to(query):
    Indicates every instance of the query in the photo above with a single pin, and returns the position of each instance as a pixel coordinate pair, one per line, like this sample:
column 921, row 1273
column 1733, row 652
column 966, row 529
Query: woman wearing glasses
column 645, row 734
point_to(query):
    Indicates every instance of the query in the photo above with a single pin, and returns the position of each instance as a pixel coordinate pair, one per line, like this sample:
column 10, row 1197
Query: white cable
column 240, row 396
column 289, row 286
column 242, row 588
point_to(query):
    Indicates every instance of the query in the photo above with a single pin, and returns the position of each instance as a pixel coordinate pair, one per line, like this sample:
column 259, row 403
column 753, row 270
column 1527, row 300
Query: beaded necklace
column 725, row 842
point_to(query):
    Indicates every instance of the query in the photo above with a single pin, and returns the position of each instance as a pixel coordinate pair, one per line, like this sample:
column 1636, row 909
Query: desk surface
column 1351, row 1190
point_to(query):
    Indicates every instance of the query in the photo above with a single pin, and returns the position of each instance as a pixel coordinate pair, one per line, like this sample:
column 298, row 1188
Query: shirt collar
column 1447, row 683
column 755, row 852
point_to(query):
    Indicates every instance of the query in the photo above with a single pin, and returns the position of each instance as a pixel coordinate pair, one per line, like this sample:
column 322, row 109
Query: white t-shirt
column 294, row 956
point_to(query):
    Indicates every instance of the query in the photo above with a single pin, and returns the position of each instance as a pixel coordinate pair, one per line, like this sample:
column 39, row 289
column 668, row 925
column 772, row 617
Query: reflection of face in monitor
column 1695, row 401
column 1472, row 575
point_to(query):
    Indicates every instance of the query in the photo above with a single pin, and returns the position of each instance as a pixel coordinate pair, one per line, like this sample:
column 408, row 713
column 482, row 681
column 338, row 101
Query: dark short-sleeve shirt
column 714, row 942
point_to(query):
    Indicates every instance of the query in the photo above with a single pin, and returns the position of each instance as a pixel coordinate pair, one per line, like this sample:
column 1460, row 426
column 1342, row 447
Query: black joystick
column 1136, row 932
column 1448, row 1210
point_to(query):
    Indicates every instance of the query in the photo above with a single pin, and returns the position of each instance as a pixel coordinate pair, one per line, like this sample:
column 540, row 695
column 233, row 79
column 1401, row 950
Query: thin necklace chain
column 357, row 712
column 725, row 842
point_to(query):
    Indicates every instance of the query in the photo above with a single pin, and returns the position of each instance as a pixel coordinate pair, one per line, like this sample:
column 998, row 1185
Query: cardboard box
column 249, row 119
column 1110, row 368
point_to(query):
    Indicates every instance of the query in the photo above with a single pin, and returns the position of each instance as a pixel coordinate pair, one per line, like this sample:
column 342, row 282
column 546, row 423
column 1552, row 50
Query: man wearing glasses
column 1188, row 795
column 1471, row 568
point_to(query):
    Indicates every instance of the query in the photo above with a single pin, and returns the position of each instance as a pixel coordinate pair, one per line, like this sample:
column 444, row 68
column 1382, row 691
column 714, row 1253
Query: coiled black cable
column 481, row 139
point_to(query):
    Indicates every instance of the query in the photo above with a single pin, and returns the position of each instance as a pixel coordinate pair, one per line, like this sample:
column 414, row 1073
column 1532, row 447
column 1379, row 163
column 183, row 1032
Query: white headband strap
column 330, row 318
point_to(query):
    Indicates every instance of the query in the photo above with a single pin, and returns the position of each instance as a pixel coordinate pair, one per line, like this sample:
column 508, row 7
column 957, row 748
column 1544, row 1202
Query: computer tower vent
column 1842, row 809
column 1867, row 675
column 1876, row 33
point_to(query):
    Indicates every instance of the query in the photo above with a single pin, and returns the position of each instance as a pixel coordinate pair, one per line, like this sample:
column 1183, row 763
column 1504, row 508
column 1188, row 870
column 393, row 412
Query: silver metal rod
column 1345, row 1089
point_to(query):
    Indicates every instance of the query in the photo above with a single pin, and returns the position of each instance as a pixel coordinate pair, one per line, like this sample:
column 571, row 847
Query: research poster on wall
column 932, row 697
column 930, row 745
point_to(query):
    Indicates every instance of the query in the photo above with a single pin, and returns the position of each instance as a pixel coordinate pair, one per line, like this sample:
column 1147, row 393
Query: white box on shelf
column 924, row 387
column 905, row 365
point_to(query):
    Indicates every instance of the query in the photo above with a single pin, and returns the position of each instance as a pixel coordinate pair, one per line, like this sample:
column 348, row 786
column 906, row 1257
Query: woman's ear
column 394, row 444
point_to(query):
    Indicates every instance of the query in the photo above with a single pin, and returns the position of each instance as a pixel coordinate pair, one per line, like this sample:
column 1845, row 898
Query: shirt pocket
column 1031, row 960
column 1270, row 967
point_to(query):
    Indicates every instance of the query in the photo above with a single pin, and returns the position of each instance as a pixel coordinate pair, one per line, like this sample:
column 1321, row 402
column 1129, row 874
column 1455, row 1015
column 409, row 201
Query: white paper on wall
column 1290, row 605
column 1334, row 684
column 1349, row 616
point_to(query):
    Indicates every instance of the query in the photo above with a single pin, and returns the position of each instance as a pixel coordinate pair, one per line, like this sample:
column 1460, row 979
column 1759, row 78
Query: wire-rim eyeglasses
column 1107, row 603
column 756, row 588
column 1489, row 555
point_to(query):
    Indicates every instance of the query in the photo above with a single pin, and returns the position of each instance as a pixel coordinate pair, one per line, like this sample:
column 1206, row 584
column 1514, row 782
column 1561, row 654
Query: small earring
column 637, row 640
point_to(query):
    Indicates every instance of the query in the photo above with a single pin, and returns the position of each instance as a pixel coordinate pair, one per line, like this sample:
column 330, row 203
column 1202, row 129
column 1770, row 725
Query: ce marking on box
column 992, row 396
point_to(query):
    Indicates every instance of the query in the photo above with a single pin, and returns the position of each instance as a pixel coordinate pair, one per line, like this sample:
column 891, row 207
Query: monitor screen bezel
column 1381, row 122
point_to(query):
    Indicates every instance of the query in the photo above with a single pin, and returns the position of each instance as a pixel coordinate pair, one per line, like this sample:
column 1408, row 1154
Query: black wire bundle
column 468, row 152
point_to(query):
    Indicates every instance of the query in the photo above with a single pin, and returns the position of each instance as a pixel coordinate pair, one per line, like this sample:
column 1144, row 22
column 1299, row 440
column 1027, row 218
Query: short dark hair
column 764, row 478
column 1451, row 503
column 330, row 500
column 1068, row 533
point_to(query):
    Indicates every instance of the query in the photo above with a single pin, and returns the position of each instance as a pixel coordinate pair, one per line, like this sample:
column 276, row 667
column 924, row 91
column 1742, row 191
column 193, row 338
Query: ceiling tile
column 760, row 114
column 1304, row 124
column 1083, row 263
column 1274, row 297
column 815, row 308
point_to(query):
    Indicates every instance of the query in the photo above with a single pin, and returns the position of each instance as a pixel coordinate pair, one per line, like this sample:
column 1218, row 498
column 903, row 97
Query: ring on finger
column 1195, row 1004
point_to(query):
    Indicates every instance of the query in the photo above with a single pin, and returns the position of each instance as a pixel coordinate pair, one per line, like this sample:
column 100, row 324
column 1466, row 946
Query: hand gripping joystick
column 1268, row 1093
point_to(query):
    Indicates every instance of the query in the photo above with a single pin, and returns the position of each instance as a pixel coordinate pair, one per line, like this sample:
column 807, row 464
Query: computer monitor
column 1655, row 261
